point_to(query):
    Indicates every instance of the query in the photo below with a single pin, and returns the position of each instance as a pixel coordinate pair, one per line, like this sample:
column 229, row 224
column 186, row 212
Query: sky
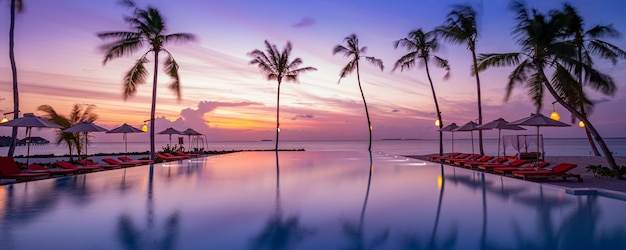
column 227, row 99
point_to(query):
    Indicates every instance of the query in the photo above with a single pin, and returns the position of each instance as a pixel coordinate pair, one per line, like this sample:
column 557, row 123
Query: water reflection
column 355, row 231
column 450, row 240
column 133, row 237
column 303, row 200
column 280, row 232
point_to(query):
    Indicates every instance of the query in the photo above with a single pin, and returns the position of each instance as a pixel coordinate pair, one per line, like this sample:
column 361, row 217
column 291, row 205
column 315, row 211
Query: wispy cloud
column 304, row 22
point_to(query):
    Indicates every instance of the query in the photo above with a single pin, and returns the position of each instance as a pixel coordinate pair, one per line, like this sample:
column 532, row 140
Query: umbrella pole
column 499, row 131
column 452, row 142
column 125, row 146
column 28, row 130
column 472, row 135
column 537, row 159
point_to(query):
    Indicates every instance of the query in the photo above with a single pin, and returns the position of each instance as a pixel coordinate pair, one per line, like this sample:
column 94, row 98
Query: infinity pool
column 303, row 200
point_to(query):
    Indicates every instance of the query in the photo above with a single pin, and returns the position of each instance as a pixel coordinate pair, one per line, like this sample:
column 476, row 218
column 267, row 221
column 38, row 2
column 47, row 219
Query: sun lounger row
column 520, row 168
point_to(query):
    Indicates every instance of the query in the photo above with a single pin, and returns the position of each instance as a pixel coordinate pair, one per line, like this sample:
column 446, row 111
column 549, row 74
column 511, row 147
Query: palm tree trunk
column 432, row 88
column 153, row 106
column 582, row 105
column 607, row 153
column 367, row 114
column 480, row 109
column 16, row 101
column 277, row 114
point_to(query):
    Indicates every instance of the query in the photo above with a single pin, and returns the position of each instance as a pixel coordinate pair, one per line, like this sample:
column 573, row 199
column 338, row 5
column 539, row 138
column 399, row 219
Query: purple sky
column 227, row 99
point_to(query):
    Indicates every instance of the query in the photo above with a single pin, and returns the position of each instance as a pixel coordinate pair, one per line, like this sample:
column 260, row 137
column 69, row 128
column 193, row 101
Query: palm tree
column 16, row 6
column 542, row 47
column 148, row 29
column 354, row 52
column 460, row 28
column 277, row 66
column 420, row 45
column 78, row 115
column 588, row 45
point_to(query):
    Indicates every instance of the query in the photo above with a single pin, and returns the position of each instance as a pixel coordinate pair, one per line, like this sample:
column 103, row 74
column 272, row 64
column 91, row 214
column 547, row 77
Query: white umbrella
column 125, row 129
column 85, row 127
column 499, row 124
column 170, row 131
column 451, row 128
column 189, row 132
column 29, row 121
column 539, row 120
column 470, row 126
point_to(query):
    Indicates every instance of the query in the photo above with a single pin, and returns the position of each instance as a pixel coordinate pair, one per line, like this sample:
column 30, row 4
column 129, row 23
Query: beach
column 589, row 180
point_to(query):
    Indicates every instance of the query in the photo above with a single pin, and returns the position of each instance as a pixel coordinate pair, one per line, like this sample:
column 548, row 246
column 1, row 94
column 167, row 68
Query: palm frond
column 378, row 63
column 171, row 68
column 517, row 77
column 136, row 75
column 351, row 66
column 486, row 61
column 179, row 38
column 442, row 63
column 535, row 90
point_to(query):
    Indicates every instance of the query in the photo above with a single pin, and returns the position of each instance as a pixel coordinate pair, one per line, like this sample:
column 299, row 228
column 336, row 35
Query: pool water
column 304, row 200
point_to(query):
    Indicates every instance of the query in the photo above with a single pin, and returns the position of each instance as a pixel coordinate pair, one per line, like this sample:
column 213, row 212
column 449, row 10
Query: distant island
column 5, row 141
column 267, row 140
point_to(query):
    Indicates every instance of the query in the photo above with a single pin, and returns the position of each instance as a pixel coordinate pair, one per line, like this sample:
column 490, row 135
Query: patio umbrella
column 170, row 131
column 189, row 132
column 470, row 126
column 125, row 129
column 29, row 121
column 450, row 128
column 85, row 127
column 539, row 120
column 499, row 124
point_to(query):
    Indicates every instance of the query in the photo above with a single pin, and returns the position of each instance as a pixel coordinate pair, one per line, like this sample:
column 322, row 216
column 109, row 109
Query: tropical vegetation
column 149, row 29
column 355, row 52
column 277, row 65
column 543, row 47
column 420, row 46
column 588, row 44
column 74, row 141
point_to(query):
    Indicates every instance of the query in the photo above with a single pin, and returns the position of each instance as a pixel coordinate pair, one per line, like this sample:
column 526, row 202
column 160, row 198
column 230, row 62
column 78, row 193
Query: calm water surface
column 303, row 200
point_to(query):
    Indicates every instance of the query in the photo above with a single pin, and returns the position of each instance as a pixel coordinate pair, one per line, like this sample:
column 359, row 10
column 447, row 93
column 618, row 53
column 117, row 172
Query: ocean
column 553, row 146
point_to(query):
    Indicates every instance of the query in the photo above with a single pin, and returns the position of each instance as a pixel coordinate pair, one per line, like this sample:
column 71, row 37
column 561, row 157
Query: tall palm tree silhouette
column 542, row 48
column 355, row 52
column 420, row 46
column 16, row 6
column 460, row 28
column 148, row 29
column 588, row 44
column 277, row 66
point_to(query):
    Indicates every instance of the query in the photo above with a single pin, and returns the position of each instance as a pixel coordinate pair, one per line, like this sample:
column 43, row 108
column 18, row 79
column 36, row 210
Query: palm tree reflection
column 280, row 232
column 132, row 237
column 450, row 240
column 355, row 233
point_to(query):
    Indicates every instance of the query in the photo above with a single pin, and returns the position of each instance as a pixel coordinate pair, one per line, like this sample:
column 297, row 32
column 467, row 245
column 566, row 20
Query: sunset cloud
column 304, row 22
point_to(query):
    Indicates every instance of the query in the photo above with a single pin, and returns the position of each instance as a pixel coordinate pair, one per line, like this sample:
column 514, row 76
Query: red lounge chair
column 483, row 159
column 36, row 168
column 509, row 170
column 10, row 170
column 437, row 158
column 128, row 159
column 474, row 164
column 112, row 161
column 490, row 167
column 93, row 164
column 560, row 170
column 81, row 169
column 169, row 158
column 181, row 156
column 471, row 158
column 181, row 153
column 459, row 156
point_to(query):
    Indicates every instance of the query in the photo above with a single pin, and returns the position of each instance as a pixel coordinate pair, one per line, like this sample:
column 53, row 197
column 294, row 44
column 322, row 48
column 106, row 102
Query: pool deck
column 590, row 182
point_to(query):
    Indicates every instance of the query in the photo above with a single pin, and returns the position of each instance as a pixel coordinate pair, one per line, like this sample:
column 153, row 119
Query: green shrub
column 605, row 172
